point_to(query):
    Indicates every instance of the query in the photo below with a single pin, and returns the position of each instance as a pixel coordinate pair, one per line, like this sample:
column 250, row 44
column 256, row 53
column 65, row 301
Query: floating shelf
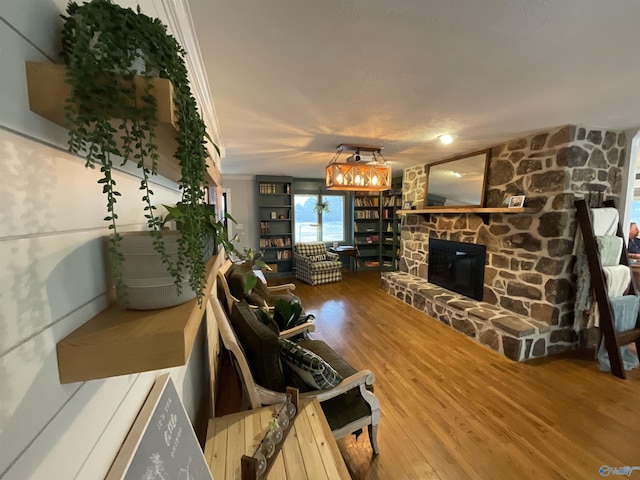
column 48, row 92
column 119, row 341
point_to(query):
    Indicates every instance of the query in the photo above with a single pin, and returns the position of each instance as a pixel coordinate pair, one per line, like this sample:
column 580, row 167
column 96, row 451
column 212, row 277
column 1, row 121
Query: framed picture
column 274, row 215
column 516, row 201
column 407, row 205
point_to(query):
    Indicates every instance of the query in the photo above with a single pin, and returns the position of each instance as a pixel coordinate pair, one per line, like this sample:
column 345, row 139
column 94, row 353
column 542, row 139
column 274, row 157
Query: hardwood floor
column 453, row 409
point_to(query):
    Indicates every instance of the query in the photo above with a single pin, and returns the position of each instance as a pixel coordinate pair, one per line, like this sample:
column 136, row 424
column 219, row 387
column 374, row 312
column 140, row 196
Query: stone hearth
column 514, row 336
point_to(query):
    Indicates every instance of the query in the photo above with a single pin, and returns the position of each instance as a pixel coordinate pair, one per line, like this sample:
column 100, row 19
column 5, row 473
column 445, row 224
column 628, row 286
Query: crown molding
column 180, row 23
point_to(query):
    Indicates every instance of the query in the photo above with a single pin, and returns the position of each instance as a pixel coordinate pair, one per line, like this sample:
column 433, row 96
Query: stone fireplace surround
column 527, row 308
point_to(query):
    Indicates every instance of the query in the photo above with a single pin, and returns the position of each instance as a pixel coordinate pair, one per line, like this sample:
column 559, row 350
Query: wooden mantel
column 483, row 212
column 119, row 341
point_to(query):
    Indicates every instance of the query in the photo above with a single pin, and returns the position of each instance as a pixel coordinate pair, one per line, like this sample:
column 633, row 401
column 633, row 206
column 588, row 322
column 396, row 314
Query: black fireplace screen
column 457, row 266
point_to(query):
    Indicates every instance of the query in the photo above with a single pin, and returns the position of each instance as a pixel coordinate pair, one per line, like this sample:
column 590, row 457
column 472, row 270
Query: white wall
column 631, row 168
column 52, row 273
column 241, row 198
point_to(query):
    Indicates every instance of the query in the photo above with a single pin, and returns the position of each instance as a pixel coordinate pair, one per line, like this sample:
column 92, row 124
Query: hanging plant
column 320, row 207
column 112, row 118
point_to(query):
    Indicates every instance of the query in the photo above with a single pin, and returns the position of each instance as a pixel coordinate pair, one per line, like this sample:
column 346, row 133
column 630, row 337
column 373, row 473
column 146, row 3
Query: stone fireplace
column 529, row 264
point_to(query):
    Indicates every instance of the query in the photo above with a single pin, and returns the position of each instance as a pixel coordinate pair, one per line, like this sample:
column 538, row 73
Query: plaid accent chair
column 314, row 265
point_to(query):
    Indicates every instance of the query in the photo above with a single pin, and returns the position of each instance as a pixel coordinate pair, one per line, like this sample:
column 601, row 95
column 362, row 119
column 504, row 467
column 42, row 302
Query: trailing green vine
column 110, row 115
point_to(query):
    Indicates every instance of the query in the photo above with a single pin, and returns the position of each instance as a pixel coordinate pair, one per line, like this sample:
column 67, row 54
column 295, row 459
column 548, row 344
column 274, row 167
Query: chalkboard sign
column 161, row 444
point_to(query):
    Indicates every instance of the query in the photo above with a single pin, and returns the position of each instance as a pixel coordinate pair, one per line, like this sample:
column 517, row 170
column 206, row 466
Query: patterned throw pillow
column 313, row 370
column 318, row 258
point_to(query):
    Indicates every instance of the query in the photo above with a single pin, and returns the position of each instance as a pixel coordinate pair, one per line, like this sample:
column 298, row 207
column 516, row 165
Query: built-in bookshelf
column 275, row 214
column 390, row 229
column 366, row 228
column 376, row 227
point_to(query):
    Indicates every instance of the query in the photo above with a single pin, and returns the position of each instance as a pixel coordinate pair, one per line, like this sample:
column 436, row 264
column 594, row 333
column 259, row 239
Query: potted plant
column 112, row 118
column 247, row 261
column 214, row 232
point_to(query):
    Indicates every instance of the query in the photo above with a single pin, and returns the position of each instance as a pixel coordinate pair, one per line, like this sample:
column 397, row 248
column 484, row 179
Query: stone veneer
column 516, row 337
column 529, row 261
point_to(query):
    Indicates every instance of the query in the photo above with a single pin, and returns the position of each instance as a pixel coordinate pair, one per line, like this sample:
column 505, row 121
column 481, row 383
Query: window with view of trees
column 311, row 226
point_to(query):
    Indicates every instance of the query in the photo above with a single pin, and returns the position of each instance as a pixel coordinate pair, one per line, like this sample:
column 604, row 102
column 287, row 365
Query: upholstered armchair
column 232, row 283
column 314, row 265
column 264, row 363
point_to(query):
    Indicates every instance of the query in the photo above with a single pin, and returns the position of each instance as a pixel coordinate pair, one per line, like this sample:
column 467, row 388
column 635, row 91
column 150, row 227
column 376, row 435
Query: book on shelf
column 275, row 242
column 370, row 263
column 270, row 188
column 366, row 214
column 366, row 201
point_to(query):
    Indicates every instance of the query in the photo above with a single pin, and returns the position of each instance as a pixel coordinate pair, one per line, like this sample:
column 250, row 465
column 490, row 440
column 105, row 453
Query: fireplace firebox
column 457, row 266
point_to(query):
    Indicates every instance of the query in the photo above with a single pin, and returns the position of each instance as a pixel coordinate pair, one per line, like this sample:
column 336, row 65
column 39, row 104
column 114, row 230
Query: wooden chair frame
column 230, row 299
column 258, row 396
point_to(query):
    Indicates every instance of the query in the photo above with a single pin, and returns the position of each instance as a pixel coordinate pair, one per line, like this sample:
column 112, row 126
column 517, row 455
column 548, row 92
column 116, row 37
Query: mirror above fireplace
column 458, row 181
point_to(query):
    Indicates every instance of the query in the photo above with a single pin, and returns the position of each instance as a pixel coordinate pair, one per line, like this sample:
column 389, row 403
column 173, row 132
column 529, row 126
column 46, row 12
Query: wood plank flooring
column 453, row 409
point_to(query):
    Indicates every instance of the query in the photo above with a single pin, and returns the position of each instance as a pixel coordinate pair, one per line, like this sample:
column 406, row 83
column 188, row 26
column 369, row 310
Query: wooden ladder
column 612, row 340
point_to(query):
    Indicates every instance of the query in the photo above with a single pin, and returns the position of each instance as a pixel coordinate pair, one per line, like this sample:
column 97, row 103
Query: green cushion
column 345, row 408
column 262, row 291
column 259, row 295
column 323, row 350
column 260, row 345
column 235, row 280
column 255, row 300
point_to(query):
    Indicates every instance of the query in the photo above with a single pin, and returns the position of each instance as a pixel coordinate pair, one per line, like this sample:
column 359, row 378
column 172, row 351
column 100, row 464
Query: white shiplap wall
column 52, row 276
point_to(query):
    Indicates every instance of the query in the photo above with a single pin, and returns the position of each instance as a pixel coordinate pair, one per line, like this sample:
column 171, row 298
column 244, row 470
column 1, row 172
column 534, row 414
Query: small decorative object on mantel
column 407, row 205
column 258, row 465
column 516, row 201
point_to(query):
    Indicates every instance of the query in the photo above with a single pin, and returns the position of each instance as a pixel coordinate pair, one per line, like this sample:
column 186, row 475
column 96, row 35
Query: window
column 311, row 226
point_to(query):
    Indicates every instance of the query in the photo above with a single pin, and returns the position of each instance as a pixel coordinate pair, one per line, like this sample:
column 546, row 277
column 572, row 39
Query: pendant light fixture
column 365, row 170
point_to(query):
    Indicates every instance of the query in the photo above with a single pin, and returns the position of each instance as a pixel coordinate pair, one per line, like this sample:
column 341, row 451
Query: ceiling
column 292, row 79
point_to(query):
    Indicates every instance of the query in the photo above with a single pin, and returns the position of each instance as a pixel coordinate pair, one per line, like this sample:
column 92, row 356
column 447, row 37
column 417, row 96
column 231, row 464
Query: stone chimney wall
column 529, row 255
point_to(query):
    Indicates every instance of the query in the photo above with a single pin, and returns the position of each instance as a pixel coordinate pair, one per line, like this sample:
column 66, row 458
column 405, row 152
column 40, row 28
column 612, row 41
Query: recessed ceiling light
column 446, row 139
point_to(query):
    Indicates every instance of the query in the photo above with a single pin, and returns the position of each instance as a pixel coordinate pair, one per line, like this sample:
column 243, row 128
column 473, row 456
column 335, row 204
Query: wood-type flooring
column 454, row 409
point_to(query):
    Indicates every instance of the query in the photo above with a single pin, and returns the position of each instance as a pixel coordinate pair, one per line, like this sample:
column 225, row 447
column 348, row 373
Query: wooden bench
column 309, row 450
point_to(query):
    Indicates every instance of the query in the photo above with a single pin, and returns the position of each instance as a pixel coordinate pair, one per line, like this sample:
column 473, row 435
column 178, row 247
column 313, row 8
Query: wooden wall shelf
column 119, row 342
column 48, row 92
column 480, row 211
